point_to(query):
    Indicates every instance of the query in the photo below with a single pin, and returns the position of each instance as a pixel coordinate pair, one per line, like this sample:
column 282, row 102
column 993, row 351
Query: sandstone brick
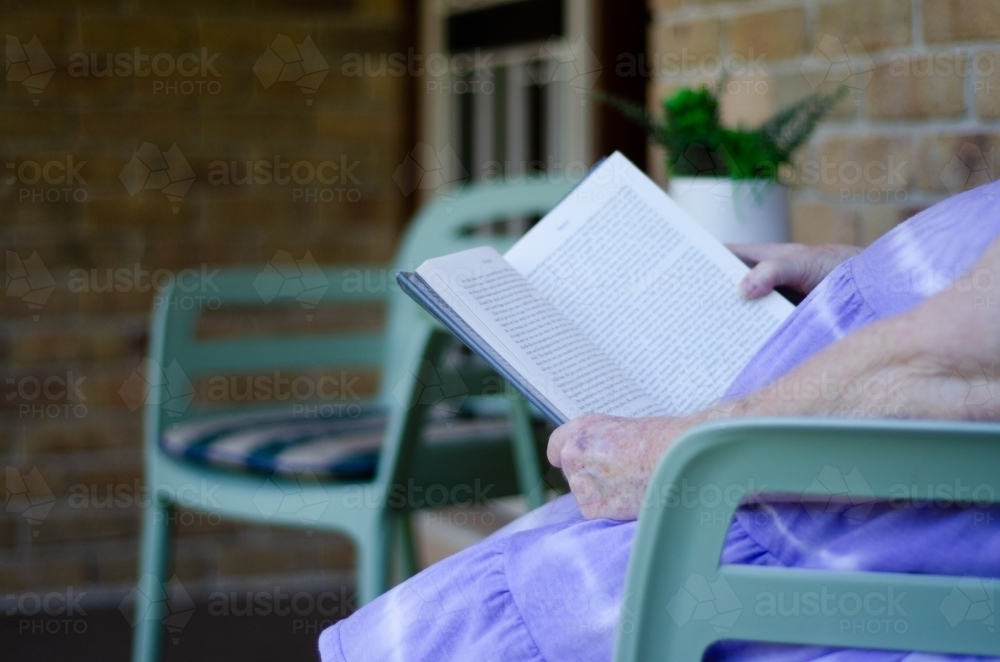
column 336, row 91
column 358, row 126
column 38, row 572
column 42, row 206
column 62, row 473
column 102, row 33
column 383, row 93
column 242, row 560
column 86, row 344
column 775, row 35
column 875, row 220
column 79, row 81
column 289, row 126
column 214, row 250
column 960, row 20
column 953, row 163
column 787, row 89
column 54, row 182
column 876, row 24
column 45, row 120
column 387, row 10
column 117, row 569
column 265, row 321
column 66, row 525
column 986, row 86
column 192, row 565
column 334, row 38
column 243, row 40
column 116, row 302
column 162, row 128
column 916, row 87
column 14, row 308
column 53, row 28
column 191, row 524
column 147, row 207
column 862, row 168
column 223, row 215
column 337, row 553
column 233, row 92
column 105, row 388
column 59, row 244
column 39, row 395
column 693, row 39
column 820, row 224
column 68, row 434
column 746, row 101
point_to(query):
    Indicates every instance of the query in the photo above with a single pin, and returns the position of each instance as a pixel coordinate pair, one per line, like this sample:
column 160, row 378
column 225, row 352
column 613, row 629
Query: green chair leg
column 529, row 470
column 373, row 562
column 154, row 563
column 406, row 548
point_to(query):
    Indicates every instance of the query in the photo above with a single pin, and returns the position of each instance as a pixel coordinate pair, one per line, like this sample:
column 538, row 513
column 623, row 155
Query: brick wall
column 133, row 172
column 919, row 122
column 85, row 194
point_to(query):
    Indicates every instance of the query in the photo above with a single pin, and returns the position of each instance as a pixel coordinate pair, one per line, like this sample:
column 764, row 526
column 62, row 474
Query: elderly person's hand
column 796, row 266
column 608, row 461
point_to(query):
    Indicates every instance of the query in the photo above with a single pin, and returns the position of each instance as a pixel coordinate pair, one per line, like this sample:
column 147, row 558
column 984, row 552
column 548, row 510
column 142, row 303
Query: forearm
column 936, row 361
column 866, row 374
column 869, row 374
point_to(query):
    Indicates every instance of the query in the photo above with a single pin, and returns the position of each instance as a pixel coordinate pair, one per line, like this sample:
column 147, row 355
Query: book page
column 534, row 336
column 650, row 287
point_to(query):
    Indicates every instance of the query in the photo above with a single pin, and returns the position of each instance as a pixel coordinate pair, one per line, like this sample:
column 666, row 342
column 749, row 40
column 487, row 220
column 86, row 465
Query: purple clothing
column 916, row 259
column 548, row 587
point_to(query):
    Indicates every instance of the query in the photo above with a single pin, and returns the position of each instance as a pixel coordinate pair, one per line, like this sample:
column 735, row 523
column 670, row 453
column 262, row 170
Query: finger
column 584, row 489
column 770, row 274
column 751, row 254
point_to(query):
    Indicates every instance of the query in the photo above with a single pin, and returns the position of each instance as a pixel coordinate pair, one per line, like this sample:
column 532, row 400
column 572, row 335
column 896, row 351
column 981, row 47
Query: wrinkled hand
column 796, row 266
column 608, row 461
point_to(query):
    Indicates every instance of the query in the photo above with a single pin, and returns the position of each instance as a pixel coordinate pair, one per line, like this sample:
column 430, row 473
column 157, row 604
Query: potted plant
column 728, row 179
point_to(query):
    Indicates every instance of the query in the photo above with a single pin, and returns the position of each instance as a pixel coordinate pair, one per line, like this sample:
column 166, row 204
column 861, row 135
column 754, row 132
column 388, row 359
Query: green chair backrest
column 679, row 599
column 445, row 225
column 180, row 357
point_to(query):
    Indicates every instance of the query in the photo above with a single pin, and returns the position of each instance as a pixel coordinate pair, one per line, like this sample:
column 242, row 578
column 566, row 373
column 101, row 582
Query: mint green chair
column 679, row 599
column 413, row 354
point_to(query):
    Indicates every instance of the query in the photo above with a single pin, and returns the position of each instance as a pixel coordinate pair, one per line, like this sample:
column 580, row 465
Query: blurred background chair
column 677, row 547
column 440, row 419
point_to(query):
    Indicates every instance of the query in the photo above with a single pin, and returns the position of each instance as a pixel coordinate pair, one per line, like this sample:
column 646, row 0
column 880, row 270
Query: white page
column 533, row 336
column 648, row 285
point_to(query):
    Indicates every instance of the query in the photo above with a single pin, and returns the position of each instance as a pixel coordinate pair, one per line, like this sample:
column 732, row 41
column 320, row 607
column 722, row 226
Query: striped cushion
column 342, row 447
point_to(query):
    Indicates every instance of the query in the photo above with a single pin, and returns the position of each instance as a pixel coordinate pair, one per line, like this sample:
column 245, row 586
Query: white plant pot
column 735, row 211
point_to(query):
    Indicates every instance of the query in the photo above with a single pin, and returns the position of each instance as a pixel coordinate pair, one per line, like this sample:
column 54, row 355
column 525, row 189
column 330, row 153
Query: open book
column 616, row 302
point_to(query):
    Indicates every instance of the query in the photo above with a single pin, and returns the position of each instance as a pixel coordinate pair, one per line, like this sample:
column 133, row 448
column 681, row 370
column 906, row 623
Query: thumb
column 553, row 452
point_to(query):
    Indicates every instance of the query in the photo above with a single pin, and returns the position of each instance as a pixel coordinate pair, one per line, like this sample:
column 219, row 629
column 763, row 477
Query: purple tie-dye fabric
column 548, row 587
column 905, row 266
